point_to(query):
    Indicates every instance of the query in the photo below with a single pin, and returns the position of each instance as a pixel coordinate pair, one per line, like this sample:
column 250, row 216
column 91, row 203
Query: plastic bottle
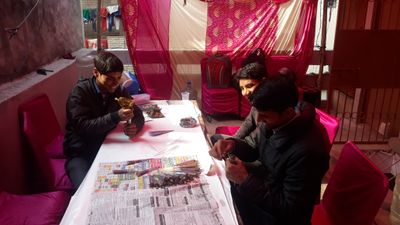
column 188, row 93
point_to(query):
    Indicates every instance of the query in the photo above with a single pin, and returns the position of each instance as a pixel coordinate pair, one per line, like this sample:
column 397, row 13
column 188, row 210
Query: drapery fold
column 146, row 24
column 283, row 28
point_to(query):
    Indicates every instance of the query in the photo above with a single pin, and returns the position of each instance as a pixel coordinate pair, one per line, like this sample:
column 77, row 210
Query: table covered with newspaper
column 154, row 179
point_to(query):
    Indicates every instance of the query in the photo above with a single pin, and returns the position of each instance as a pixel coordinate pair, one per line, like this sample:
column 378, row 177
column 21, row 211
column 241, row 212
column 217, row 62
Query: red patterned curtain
column 237, row 27
column 146, row 24
column 253, row 23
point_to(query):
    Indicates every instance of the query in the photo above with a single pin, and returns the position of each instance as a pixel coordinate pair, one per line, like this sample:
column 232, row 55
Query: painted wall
column 57, row 86
column 53, row 29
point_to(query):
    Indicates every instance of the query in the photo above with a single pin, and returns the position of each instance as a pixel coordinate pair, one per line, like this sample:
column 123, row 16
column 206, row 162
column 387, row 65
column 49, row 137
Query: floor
column 373, row 151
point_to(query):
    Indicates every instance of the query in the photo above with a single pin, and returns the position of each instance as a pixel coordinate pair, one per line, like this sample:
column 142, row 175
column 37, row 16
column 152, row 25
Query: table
column 181, row 142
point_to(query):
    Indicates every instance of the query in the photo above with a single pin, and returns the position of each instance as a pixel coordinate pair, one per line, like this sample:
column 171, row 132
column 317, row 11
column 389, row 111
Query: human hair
column 288, row 73
column 276, row 93
column 106, row 62
column 257, row 55
column 253, row 71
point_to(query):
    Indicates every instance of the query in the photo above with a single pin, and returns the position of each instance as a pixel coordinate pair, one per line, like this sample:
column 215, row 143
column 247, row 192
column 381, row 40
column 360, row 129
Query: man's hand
column 130, row 129
column 125, row 114
column 235, row 170
column 221, row 149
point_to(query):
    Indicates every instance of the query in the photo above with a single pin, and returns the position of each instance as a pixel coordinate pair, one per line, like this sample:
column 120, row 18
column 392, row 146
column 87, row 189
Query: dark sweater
column 90, row 117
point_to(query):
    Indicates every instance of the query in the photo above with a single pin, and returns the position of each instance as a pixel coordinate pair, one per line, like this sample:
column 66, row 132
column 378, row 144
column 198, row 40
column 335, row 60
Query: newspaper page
column 162, row 196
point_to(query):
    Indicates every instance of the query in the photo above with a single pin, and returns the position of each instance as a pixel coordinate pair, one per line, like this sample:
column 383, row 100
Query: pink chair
column 217, row 100
column 330, row 123
column 45, row 208
column 354, row 192
column 45, row 138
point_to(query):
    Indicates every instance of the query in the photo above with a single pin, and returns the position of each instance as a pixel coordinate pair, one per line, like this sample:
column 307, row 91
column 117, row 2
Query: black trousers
column 77, row 167
column 250, row 213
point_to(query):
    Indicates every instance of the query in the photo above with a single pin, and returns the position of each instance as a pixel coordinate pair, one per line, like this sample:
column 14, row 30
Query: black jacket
column 286, row 183
column 90, row 118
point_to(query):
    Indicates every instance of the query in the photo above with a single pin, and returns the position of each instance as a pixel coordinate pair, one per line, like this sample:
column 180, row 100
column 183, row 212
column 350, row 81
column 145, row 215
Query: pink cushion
column 228, row 130
column 37, row 209
column 55, row 148
column 330, row 123
column 43, row 133
column 61, row 180
column 355, row 190
column 40, row 124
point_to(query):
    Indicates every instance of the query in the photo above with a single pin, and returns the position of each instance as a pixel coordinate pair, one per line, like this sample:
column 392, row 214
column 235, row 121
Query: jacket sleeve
column 248, row 125
column 80, row 109
column 245, row 149
column 303, row 174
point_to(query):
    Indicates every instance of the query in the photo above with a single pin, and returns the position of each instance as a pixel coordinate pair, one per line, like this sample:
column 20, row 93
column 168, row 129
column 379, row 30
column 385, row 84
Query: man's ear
column 95, row 72
column 289, row 111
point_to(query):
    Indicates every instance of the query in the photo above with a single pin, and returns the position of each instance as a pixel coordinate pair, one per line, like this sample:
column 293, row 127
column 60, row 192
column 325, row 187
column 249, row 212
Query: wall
column 53, row 29
column 12, row 164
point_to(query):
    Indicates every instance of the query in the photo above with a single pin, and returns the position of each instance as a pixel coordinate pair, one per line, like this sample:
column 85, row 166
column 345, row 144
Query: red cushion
column 37, row 209
column 228, row 130
column 320, row 217
column 221, row 100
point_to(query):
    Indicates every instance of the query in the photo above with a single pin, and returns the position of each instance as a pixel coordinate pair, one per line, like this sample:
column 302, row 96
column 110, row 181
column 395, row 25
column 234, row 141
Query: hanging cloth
column 103, row 15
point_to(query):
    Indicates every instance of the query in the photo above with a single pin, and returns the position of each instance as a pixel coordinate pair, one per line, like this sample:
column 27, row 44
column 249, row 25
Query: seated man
column 249, row 77
column 92, row 112
column 290, row 149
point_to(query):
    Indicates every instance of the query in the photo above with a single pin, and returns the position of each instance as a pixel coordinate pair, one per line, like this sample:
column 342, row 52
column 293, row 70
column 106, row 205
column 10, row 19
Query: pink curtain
column 146, row 24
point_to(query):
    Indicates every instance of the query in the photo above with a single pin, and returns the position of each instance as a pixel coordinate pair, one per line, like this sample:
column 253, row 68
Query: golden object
column 126, row 103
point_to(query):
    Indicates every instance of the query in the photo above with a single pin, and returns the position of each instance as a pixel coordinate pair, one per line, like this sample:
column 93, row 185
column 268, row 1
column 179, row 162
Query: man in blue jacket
column 92, row 112
column 277, row 181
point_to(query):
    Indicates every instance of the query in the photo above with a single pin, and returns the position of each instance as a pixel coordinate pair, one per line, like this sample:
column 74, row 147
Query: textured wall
column 53, row 29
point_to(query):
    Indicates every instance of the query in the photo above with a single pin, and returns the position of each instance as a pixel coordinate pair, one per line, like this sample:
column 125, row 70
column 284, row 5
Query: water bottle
column 189, row 93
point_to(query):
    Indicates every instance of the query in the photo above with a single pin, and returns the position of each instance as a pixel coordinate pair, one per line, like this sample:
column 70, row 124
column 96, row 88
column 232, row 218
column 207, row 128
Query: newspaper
column 129, row 199
column 124, row 176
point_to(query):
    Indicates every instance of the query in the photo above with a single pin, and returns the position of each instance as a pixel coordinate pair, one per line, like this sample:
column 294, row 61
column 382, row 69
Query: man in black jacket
column 92, row 112
column 282, row 182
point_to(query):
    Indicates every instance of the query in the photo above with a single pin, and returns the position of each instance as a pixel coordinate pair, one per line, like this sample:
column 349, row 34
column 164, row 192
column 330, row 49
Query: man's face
column 273, row 119
column 109, row 82
column 247, row 86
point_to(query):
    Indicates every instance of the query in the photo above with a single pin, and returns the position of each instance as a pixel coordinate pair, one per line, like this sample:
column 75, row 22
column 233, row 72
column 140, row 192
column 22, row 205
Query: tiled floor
column 382, row 217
